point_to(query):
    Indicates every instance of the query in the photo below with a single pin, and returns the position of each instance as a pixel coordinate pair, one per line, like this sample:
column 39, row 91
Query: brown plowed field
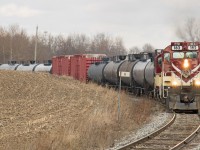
column 41, row 111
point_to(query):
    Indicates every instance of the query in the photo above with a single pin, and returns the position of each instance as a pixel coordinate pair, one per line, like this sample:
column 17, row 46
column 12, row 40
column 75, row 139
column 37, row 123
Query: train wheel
column 134, row 91
column 138, row 92
column 156, row 95
column 150, row 95
column 167, row 103
column 163, row 100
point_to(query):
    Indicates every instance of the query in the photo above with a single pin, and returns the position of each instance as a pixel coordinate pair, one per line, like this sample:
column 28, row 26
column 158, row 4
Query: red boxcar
column 74, row 65
column 81, row 63
column 65, row 63
column 57, row 65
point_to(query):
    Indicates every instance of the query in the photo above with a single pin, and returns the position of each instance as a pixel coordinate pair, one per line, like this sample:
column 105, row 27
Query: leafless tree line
column 80, row 43
column 16, row 44
column 146, row 48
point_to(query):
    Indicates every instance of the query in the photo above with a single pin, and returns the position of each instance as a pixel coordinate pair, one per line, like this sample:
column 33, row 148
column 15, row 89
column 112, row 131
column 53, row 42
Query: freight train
column 171, row 74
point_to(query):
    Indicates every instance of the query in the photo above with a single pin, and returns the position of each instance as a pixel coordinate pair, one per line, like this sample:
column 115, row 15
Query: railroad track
column 181, row 129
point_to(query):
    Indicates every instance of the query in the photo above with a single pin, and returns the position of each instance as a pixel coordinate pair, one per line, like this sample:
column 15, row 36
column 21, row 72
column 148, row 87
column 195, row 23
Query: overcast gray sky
column 136, row 21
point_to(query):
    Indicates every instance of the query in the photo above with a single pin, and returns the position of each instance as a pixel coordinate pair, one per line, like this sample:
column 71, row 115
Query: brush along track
column 175, row 135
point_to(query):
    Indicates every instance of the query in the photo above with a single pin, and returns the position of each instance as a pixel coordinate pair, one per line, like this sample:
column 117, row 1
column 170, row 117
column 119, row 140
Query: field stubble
column 41, row 111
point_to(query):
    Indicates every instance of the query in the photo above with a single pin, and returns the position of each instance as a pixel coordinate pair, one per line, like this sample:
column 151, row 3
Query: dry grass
column 99, row 128
column 40, row 111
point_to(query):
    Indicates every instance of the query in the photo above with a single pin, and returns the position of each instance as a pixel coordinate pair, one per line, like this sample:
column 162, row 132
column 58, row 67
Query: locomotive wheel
column 156, row 96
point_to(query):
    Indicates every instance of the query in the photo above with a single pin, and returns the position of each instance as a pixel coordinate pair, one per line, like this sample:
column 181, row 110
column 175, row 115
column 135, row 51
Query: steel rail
column 130, row 145
column 186, row 140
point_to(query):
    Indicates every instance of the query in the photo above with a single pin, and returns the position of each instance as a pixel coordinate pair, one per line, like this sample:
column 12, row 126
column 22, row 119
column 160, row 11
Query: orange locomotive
column 177, row 75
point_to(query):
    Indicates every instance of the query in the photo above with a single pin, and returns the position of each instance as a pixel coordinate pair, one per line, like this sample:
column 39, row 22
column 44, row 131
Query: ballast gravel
column 156, row 122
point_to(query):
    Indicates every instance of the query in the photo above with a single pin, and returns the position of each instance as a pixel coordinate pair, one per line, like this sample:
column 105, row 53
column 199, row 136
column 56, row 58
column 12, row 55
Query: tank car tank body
column 111, row 70
column 149, row 74
column 8, row 66
column 143, row 73
column 127, row 66
column 26, row 67
column 42, row 68
column 95, row 72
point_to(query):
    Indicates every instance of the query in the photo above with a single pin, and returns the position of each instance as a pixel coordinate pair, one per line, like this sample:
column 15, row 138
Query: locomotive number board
column 177, row 48
column 191, row 46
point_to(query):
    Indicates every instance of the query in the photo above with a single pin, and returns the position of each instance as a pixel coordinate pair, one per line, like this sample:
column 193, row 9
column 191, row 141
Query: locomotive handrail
column 168, row 72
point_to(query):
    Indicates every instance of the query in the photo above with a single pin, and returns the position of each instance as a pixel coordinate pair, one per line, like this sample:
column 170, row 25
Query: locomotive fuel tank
column 111, row 70
column 95, row 72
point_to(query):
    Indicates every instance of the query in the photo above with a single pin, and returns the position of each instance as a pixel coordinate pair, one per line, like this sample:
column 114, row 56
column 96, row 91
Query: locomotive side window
column 160, row 61
column 167, row 57
column 178, row 55
column 191, row 55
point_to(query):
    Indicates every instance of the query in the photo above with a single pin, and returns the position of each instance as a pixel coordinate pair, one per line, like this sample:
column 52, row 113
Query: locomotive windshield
column 180, row 55
column 191, row 55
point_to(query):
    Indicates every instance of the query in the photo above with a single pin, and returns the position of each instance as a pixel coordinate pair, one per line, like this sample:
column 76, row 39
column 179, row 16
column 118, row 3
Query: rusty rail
column 130, row 145
column 186, row 140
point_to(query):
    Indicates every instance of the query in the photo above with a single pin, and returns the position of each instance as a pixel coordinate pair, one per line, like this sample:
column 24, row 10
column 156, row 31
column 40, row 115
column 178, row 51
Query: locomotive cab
column 177, row 75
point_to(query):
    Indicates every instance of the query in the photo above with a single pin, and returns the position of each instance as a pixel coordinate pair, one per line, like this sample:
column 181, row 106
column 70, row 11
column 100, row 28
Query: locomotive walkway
column 181, row 129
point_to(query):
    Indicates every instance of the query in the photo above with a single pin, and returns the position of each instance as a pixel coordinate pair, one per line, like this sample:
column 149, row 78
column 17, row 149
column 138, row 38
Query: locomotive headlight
column 197, row 83
column 174, row 83
column 186, row 63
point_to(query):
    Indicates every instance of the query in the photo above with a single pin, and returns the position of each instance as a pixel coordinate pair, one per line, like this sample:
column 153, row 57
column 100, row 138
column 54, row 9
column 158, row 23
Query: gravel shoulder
column 156, row 122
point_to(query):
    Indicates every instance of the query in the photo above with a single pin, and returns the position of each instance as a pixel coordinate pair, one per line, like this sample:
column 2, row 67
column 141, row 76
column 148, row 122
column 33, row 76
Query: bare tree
column 2, row 43
column 119, row 47
column 134, row 50
column 148, row 48
column 103, row 43
column 81, row 43
column 190, row 31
